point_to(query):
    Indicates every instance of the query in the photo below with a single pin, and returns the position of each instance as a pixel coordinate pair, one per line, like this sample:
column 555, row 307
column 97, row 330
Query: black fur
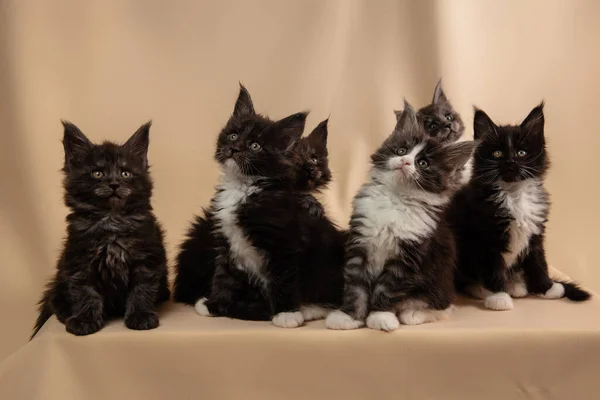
column 114, row 262
column 510, row 163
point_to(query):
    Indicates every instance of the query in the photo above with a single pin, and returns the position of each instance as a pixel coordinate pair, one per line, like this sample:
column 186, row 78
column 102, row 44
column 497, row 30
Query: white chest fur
column 385, row 216
column 233, row 193
column 526, row 202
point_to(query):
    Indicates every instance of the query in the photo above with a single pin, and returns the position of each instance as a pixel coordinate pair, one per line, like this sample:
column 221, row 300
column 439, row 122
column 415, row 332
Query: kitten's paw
column 81, row 327
column 313, row 312
column 478, row 291
column 339, row 320
column 201, row 308
column 288, row 319
column 383, row 321
column 413, row 317
column 517, row 289
column 557, row 291
column 500, row 301
column 141, row 320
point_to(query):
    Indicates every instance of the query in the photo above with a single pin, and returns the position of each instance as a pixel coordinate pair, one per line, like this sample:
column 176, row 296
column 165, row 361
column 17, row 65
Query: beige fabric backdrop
column 109, row 66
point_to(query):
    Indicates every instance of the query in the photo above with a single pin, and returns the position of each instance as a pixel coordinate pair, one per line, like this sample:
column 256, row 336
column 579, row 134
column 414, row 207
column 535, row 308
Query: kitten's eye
column 423, row 164
column 255, row 147
column 497, row 154
column 521, row 153
column 432, row 127
column 401, row 151
column 232, row 137
column 449, row 117
column 126, row 174
column 314, row 161
column 97, row 174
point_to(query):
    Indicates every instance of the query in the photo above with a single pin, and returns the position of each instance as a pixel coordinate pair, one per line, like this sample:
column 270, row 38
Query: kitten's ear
column 438, row 94
column 243, row 105
column 318, row 137
column 290, row 129
column 458, row 153
column 408, row 119
column 482, row 124
column 398, row 114
column 76, row 144
column 534, row 122
column 138, row 143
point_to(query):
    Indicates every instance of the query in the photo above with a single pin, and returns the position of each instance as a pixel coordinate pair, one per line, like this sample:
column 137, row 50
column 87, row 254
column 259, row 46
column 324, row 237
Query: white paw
column 413, row 317
column 517, row 289
column 288, row 319
column 478, row 291
column 201, row 308
column 383, row 321
column 555, row 292
column 498, row 301
column 313, row 312
column 341, row 321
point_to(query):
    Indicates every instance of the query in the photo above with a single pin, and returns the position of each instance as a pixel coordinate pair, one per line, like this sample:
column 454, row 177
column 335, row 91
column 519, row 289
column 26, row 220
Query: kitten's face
column 251, row 145
column 311, row 160
column 510, row 153
column 106, row 176
column 414, row 160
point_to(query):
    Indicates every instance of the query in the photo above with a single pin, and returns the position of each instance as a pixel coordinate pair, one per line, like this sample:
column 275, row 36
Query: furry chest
column 227, row 203
column 114, row 262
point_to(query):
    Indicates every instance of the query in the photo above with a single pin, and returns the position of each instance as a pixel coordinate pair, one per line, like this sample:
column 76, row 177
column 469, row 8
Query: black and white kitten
column 400, row 258
column 257, row 215
column 499, row 218
column 114, row 261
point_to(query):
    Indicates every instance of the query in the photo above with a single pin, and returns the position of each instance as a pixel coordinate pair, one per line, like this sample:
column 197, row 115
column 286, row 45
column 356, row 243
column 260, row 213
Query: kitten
column 500, row 217
column 400, row 258
column 113, row 262
column 195, row 262
column 256, row 214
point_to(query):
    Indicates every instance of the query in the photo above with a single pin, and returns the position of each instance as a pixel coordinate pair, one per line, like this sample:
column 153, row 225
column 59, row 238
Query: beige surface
column 111, row 65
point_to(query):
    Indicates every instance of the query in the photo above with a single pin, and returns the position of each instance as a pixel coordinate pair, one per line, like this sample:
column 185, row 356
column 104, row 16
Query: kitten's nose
column 232, row 151
column 114, row 186
column 405, row 162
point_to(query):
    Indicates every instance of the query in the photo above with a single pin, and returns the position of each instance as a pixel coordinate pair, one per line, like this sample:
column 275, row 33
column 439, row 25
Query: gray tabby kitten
column 401, row 255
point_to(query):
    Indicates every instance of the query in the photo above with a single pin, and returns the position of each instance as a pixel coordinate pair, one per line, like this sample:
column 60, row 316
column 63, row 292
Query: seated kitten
column 400, row 258
column 195, row 263
column 499, row 218
column 114, row 261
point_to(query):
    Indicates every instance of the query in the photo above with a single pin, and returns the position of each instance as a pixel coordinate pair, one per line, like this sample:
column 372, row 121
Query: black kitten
column 256, row 215
column 500, row 217
column 400, row 258
column 114, row 261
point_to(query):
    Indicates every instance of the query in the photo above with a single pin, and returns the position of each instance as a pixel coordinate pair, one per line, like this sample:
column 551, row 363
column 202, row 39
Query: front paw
column 500, row 301
column 383, row 321
column 82, row 326
column 141, row 320
column 339, row 320
column 288, row 319
column 201, row 308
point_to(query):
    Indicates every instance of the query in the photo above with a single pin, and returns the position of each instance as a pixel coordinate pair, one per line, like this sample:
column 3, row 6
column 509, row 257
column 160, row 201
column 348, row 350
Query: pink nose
column 405, row 162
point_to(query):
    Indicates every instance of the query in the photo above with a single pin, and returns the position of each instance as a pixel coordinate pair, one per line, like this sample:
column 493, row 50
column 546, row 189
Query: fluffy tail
column 574, row 292
column 45, row 312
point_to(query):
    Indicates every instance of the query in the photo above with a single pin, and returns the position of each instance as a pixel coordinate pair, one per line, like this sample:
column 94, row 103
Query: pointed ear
column 75, row 143
column 138, row 143
column 438, row 94
column 398, row 114
column 534, row 122
column 243, row 105
column 291, row 128
column 482, row 124
column 408, row 119
column 318, row 137
column 458, row 153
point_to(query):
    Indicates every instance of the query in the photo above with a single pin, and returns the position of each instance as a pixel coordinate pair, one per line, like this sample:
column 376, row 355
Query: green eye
column 401, row 151
column 126, row 174
column 232, row 137
column 521, row 153
column 423, row 164
column 97, row 174
column 255, row 147
column 497, row 154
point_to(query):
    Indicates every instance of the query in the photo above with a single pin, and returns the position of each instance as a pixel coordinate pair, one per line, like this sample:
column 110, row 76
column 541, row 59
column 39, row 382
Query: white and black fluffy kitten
column 499, row 218
column 257, row 215
column 400, row 258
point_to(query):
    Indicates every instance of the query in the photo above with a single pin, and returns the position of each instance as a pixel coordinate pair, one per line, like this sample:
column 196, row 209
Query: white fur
column 500, row 301
column 517, row 288
column 383, row 321
column 339, row 320
column 415, row 312
column 312, row 312
column 288, row 319
column 201, row 308
column 557, row 291
column 521, row 200
column 235, row 190
column 466, row 172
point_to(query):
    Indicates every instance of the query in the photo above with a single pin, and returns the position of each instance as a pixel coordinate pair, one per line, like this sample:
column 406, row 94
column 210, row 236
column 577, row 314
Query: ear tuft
column 75, row 143
column 318, row 136
column 534, row 122
column 291, row 128
column 438, row 94
column 243, row 104
column 482, row 124
column 138, row 143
